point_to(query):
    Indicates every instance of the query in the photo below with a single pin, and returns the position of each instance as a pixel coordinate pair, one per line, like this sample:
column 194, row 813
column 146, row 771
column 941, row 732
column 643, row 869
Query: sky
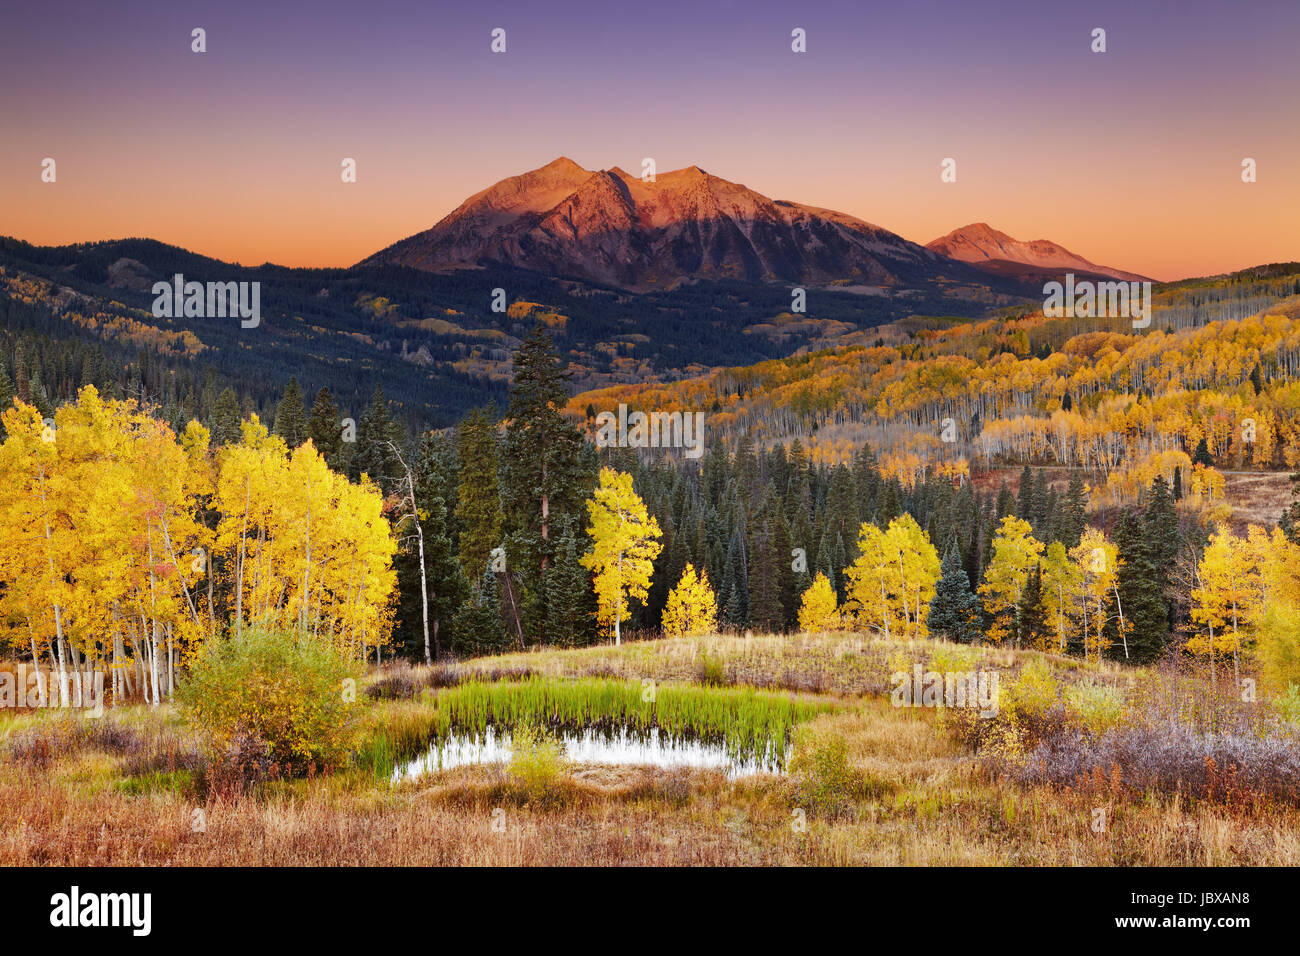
column 1131, row 158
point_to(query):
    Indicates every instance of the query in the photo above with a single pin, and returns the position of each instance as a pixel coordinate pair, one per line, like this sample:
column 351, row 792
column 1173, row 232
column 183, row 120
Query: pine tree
column 1202, row 455
column 766, row 612
column 324, row 429
column 291, row 416
column 570, row 600
column 954, row 609
column 1139, row 587
column 477, row 625
column 1031, row 616
column 545, row 477
column 374, row 455
column 478, row 502
column 1025, row 503
column 1074, row 513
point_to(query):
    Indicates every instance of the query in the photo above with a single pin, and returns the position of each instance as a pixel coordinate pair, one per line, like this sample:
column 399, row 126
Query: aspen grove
column 127, row 546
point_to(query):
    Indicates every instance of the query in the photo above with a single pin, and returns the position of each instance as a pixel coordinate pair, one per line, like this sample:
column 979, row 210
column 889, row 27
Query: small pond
column 620, row 747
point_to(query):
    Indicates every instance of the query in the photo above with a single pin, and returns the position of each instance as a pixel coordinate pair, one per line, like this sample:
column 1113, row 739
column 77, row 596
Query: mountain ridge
column 609, row 226
column 996, row 252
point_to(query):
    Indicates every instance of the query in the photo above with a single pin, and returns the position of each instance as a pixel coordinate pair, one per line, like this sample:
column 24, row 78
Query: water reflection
column 622, row 747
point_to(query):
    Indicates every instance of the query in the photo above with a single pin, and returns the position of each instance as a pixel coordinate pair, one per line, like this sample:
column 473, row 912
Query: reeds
column 749, row 722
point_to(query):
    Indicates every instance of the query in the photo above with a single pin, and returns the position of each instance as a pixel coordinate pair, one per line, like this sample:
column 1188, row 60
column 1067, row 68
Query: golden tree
column 818, row 610
column 624, row 545
column 893, row 579
column 692, row 607
column 1015, row 553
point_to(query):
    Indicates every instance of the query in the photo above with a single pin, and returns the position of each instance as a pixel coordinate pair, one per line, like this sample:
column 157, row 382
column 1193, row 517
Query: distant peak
column 977, row 229
column 563, row 163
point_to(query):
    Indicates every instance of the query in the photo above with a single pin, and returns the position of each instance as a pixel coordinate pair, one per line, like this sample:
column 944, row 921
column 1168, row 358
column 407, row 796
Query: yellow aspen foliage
column 1097, row 563
column 692, row 607
column 1062, row 592
column 1228, row 594
column 309, row 551
column 818, row 610
column 624, row 545
column 893, row 579
column 1015, row 553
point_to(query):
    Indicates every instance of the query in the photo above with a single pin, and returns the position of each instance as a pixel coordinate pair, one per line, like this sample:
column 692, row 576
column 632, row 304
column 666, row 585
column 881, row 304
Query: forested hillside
column 1125, row 405
column 440, row 343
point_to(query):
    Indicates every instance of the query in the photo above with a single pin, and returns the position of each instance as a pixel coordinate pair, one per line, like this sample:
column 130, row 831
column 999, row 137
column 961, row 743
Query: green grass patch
column 748, row 722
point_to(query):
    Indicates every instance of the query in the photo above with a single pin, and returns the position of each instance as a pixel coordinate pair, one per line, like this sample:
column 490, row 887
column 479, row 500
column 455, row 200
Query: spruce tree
column 7, row 395
column 570, row 600
column 323, row 428
column 1043, row 504
column 735, row 587
column 374, row 455
column 446, row 584
column 1139, row 585
column 1025, row 502
column 765, row 611
column 224, row 426
column 546, row 475
column 1073, row 513
column 1031, row 616
column 291, row 416
column 1006, row 503
column 954, row 609
column 1290, row 520
column 1161, row 528
column 478, row 502
column 477, row 625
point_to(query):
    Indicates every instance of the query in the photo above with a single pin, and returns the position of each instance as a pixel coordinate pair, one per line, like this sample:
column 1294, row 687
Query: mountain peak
column 611, row 227
column 994, row 251
column 562, row 164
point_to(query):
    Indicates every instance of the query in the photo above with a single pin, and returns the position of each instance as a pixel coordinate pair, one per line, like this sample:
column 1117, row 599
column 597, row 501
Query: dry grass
column 114, row 797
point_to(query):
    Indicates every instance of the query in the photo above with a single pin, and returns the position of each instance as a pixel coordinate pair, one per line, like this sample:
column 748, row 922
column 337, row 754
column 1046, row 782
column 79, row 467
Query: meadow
column 1084, row 764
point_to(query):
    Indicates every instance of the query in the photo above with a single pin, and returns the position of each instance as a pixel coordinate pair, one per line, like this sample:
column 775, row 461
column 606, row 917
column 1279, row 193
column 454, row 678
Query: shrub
column 1169, row 758
column 1096, row 707
column 536, row 760
column 952, row 659
column 712, row 670
column 819, row 765
column 1288, row 704
column 269, row 690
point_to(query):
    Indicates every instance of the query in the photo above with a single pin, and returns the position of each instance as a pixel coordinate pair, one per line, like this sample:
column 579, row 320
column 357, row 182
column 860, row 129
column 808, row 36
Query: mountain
column 610, row 227
column 998, row 254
